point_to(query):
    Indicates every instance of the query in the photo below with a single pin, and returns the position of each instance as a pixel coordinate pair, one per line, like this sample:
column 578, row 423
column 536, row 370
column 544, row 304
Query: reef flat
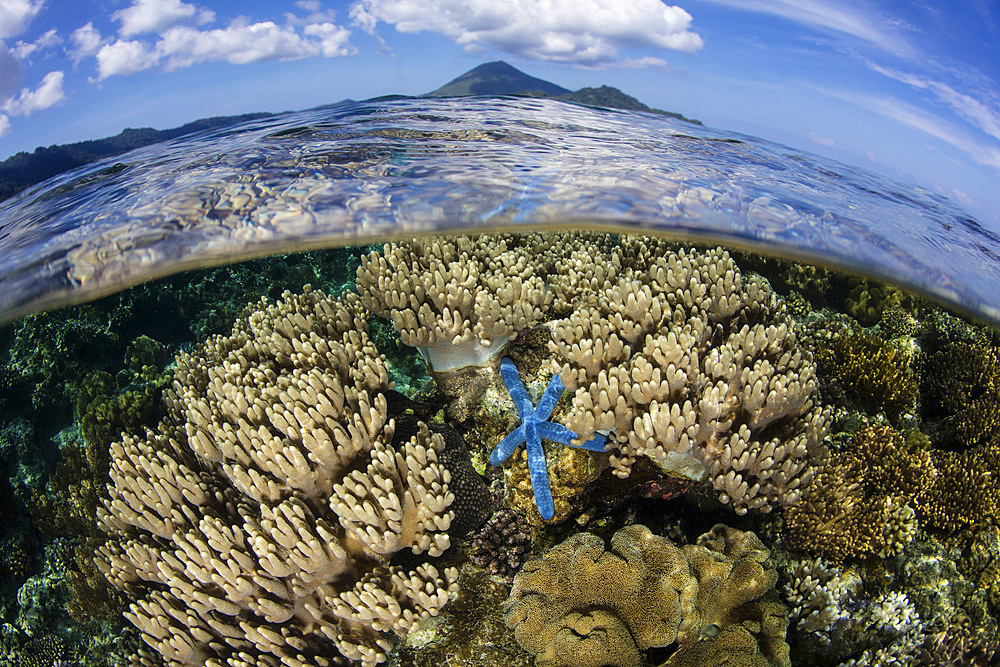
column 287, row 463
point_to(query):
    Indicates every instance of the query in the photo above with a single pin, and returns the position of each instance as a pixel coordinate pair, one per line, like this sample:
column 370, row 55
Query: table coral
column 583, row 605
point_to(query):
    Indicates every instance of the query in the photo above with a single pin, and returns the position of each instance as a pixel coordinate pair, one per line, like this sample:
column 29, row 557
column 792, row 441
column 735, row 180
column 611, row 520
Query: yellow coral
column 860, row 502
column 585, row 606
column 877, row 372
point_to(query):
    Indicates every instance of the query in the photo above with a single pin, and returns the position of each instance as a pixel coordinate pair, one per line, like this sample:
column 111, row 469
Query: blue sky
column 908, row 89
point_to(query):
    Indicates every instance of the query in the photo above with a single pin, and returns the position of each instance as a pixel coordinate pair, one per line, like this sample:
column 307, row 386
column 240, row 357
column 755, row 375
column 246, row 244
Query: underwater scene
column 661, row 401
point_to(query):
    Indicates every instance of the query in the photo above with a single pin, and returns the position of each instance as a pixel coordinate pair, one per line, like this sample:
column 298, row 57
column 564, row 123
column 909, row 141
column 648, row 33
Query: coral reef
column 820, row 598
column 458, row 300
column 965, row 494
column 503, row 544
column 869, row 299
column 861, row 501
column 696, row 367
column 962, row 382
column 878, row 373
column 581, row 605
column 256, row 522
column 957, row 647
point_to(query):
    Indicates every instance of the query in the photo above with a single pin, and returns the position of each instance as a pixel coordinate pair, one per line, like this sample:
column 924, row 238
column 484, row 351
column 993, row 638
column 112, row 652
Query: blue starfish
column 535, row 426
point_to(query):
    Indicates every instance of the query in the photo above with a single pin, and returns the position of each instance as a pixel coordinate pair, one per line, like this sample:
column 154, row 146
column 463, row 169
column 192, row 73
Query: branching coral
column 878, row 372
column 695, row 367
column 687, row 361
column 965, row 493
column 962, row 381
column 460, row 300
column 582, row 605
column 819, row 597
column 256, row 523
column 860, row 502
column 869, row 299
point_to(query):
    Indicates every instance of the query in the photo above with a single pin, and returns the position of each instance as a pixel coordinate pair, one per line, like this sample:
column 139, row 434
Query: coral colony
column 533, row 429
column 289, row 509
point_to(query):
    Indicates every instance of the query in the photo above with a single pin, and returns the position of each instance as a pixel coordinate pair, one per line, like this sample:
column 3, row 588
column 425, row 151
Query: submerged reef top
column 259, row 518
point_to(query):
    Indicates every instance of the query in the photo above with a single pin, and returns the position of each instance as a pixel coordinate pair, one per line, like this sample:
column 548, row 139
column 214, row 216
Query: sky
column 909, row 89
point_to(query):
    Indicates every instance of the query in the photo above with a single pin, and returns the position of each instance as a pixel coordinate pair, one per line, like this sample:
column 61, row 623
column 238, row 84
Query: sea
column 111, row 273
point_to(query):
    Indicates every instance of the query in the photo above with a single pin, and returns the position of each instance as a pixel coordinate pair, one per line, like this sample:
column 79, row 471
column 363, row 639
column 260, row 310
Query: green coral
column 962, row 383
column 869, row 299
column 965, row 493
column 870, row 497
column 878, row 373
column 860, row 501
column 43, row 652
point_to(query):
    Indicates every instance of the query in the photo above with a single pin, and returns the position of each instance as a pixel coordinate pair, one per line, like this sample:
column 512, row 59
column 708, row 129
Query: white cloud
column 5, row 127
column 925, row 122
column 821, row 140
column 983, row 114
column 156, row 15
column 49, row 93
column 843, row 17
column 49, row 38
column 583, row 32
column 239, row 44
column 332, row 39
column 15, row 15
column 124, row 57
column 86, row 42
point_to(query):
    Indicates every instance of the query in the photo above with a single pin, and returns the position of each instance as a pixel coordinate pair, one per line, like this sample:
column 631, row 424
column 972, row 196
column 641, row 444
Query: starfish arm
column 538, row 471
column 518, row 394
column 596, row 444
column 552, row 394
column 506, row 447
column 556, row 432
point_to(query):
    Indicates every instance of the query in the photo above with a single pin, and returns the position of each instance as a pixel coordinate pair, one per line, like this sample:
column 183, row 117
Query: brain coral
column 255, row 525
column 582, row 605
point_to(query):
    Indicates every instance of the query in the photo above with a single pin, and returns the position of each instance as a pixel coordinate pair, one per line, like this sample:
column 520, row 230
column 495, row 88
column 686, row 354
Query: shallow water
column 906, row 572
column 384, row 169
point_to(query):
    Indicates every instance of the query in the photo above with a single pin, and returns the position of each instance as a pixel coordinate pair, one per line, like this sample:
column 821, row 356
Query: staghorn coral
column 696, row 367
column 819, row 597
column 880, row 373
column 860, row 502
column 582, row 605
column 255, row 524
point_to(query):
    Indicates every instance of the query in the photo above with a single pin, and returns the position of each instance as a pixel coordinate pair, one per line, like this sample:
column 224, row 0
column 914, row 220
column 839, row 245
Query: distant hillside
column 25, row 169
column 497, row 78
